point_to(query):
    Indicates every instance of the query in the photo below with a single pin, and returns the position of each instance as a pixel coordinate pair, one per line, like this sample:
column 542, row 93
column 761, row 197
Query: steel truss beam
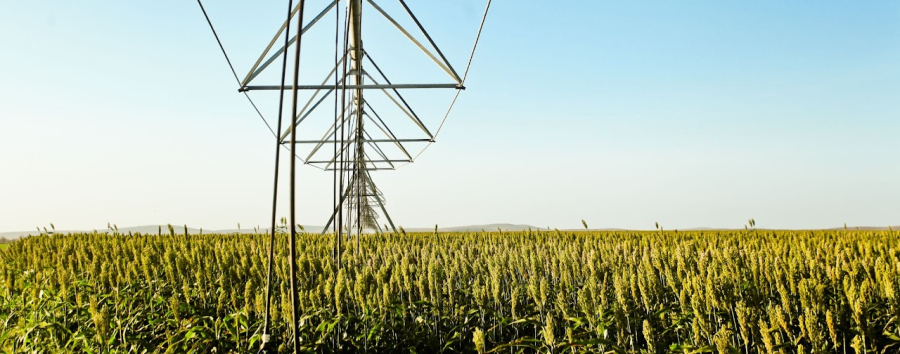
column 368, row 141
column 361, row 160
column 352, row 87
column 254, row 72
column 390, row 19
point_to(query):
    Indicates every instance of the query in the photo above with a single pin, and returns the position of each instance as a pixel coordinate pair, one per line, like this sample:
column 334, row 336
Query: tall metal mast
column 356, row 56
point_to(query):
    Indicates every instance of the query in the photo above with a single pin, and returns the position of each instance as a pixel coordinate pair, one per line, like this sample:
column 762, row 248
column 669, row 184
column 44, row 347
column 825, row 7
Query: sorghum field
column 747, row 291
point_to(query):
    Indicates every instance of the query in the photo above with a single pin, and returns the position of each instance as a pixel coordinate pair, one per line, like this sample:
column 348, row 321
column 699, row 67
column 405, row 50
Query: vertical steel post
column 266, row 339
column 340, row 209
column 293, row 187
column 356, row 57
column 336, row 189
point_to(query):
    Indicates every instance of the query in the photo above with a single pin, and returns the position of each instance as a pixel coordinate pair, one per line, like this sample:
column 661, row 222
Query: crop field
column 747, row 291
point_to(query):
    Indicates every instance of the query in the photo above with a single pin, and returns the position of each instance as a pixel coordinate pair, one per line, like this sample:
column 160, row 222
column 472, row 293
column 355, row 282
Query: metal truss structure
column 359, row 140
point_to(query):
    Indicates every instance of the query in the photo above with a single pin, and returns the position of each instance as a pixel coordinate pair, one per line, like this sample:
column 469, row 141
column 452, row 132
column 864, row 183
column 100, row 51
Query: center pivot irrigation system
column 358, row 140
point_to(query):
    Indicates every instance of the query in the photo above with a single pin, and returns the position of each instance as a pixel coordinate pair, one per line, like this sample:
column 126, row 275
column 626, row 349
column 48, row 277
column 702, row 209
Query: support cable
column 233, row 72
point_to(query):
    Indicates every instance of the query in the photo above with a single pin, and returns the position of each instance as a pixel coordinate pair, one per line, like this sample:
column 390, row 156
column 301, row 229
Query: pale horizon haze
column 620, row 113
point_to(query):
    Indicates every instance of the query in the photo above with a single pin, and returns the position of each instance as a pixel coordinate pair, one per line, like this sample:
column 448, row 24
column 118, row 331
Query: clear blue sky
column 622, row 113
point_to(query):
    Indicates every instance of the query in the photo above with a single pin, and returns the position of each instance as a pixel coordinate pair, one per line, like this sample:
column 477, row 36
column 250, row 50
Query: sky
column 620, row 113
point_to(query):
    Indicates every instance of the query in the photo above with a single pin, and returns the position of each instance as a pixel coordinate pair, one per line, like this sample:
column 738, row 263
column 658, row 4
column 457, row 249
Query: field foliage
column 741, row 291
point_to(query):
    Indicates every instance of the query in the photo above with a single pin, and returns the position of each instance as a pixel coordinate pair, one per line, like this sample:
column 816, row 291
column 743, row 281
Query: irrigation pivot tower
column 361, row 140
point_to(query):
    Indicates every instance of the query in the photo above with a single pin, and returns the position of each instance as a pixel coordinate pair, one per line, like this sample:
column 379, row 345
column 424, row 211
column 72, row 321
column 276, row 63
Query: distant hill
column 485, row 227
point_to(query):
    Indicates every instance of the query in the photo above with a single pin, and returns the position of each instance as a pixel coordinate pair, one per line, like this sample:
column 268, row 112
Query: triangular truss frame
column 352, row 135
